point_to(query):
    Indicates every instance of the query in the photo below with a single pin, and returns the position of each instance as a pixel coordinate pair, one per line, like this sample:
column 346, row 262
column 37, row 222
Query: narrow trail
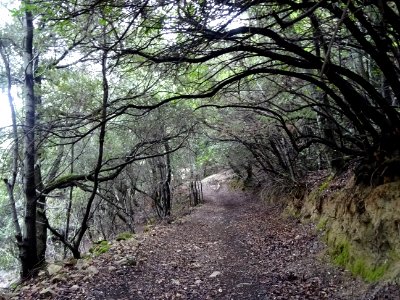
column 231, row 247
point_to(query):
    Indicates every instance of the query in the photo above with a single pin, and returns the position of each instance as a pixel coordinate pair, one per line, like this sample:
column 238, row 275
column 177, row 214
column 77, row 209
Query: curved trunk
column 10, row 184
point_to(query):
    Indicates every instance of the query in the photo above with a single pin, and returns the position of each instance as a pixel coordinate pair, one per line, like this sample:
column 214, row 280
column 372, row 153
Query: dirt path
column 229, row 248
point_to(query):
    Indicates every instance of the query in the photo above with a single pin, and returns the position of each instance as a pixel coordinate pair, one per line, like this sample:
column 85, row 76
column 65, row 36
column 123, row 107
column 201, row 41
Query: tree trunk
column 10, row 184
column 41, row 228
column 69, row 205
column 102, row 137
column 167, row 183
column 28, row 247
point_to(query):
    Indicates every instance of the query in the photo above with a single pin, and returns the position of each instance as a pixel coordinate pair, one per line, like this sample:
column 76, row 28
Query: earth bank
column 360, row 224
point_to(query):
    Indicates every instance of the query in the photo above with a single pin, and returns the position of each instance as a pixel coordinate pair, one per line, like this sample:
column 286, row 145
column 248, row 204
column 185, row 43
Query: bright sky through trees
column 5, row 115
column 5, row 17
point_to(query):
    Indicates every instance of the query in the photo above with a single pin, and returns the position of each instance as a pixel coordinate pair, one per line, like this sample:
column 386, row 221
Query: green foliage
column 100, row 248
column 7, row 260
column 322, row 224
column 324, row 185
column 369, row 273
column 64, row 180
column 102, row 22
column 341, row 253
column 62, row 27
column 19, row 12
column 290, row 212
column 124, row 236
column 207, row 153
column 8, row 257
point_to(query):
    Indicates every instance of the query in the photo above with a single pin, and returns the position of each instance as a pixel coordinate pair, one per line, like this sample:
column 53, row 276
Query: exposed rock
column 47, row 292
column 53, row 269
column 175, row 281
column 122, row 261
column 6, row 296
column 82, row 264
column 131, row 261
column 215, row 274
column 76, row 276
column 92, row 270
column 59, row 278
column 75, row 287
column 70, row 262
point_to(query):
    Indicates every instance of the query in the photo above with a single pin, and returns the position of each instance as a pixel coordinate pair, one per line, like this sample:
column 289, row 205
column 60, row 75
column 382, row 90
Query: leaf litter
column 231, row 247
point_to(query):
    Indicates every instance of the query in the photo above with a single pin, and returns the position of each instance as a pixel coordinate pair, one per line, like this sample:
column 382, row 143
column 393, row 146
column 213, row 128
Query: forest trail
column 231, row 247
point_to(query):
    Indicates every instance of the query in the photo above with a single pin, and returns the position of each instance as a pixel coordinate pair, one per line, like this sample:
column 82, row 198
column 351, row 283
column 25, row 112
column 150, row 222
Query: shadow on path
column 231, row 247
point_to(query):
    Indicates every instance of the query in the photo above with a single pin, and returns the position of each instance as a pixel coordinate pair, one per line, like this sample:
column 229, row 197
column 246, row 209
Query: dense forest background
column 128, row 104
